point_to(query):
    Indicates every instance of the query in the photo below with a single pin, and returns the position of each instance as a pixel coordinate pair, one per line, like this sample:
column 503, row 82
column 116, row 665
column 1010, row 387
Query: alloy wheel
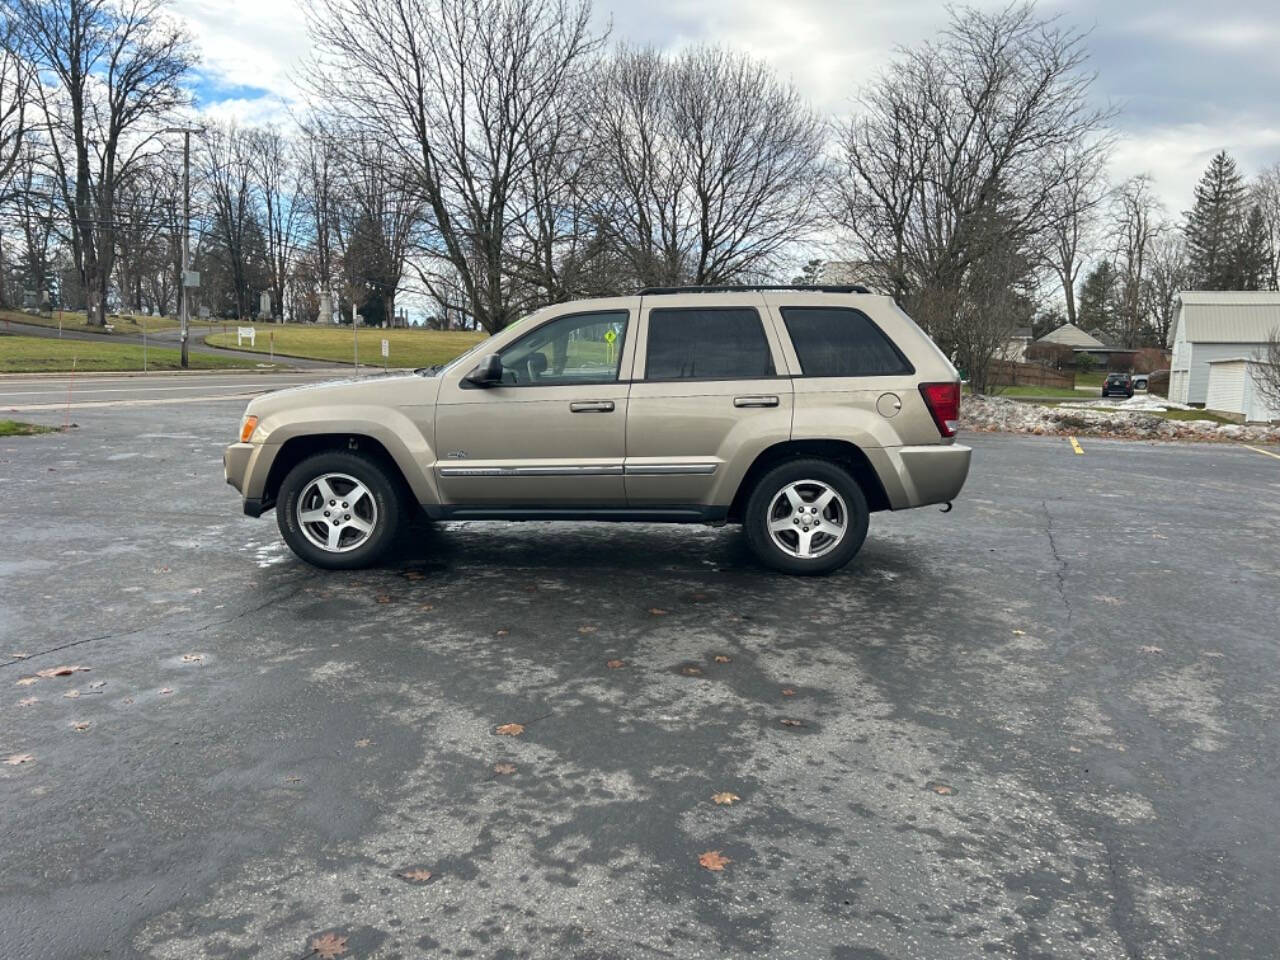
column 807, row 519
column 336, row 512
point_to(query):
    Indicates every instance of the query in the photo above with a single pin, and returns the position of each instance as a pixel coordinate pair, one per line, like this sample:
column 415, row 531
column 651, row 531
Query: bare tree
column 958, row 135
column 451, row 90
column 16, row 81
column 1072, row 214
column 709, row 165
column 1136, row 223
column 227, row 179
column 317, row 160
column 277, row 183
column 1169, row 274
column 1265, row 193
column 1266, row 372
column 113, row 66
column 379, row 214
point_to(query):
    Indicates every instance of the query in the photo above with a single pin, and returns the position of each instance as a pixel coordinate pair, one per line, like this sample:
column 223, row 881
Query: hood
column 395, row 390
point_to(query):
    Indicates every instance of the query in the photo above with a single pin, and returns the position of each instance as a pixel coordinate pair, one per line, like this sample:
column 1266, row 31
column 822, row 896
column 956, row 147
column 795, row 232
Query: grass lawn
column 409, row 348
column 43, row 355
column 72, row 320
column 16, row 428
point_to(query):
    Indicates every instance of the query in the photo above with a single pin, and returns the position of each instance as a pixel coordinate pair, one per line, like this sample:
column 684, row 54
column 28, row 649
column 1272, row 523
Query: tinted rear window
column 710, row 344
column 841, row 342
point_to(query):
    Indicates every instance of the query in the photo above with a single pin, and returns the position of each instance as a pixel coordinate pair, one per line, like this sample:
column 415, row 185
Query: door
column 553, row 433
column 711, row 392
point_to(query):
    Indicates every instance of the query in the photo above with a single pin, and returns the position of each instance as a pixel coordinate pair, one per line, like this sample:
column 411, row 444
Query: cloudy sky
column 1190, row 77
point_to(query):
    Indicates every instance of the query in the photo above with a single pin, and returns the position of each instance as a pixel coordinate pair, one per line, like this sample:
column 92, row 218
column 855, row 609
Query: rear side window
column 711, row 344
column 841, row 342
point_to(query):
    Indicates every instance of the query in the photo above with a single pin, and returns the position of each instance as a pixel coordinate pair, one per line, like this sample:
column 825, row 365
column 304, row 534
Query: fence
column 1005, row 373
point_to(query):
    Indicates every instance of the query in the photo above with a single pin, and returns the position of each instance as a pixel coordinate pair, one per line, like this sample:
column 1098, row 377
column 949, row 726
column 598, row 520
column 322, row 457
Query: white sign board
column 245, row 333
column 386, row 349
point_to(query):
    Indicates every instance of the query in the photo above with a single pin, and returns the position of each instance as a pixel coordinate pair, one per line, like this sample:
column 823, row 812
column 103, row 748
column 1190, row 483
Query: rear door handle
column 755, row 401
column 591, row 406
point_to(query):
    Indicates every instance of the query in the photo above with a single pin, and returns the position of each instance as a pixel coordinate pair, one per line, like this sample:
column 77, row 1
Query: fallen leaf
column 788, row 692
column 504, row 769
column 382, row 598
column 80, row 725
column 161, row 570
column 1019, row 633
column 128, row 699
column 791, row 722
column 1148, row 648
column 363, row 743
column 60, row 671
column 698, row 597
column 97, row 685
column 416, row 875
column 941, row 789
column 712, row 860
column 292, row 779
column 1075, row 749
column 721, row 658
column 28, row 701
column 414, row 575
column 428, row 607
column 587, row 628
column 502, row 633
column 616, row 664
column 165, row 692
column 725, row 799
column 510, row 730
column 192, row 657
column 28, row 681
column 71, row 694
column 657, row 611
column 328, row 946
column 19, row 656
column 14, row 759
column 691, row 670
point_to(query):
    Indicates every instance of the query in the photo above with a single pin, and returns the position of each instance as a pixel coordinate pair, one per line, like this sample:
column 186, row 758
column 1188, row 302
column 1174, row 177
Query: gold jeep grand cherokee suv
column 796, row 412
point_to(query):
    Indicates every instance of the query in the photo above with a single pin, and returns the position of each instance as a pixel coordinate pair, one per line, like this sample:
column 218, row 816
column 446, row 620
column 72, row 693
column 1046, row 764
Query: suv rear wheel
column 339, row 510
column 806, row 517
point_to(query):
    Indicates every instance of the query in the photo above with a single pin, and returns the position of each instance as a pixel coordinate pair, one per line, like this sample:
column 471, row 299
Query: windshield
column 479, row 350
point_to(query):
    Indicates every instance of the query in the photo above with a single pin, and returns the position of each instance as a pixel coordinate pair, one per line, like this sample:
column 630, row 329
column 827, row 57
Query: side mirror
column 487, row 372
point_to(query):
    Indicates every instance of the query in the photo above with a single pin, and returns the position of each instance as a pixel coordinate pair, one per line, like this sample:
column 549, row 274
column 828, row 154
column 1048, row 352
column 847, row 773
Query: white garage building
column 1233, row 388
column 1217, row 325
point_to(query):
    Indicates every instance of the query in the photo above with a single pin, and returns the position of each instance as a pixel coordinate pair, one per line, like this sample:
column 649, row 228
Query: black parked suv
column 1118, row 385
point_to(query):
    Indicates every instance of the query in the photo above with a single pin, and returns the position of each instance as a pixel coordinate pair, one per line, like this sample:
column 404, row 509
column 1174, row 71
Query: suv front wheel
column 806, row 517
column 338, row 510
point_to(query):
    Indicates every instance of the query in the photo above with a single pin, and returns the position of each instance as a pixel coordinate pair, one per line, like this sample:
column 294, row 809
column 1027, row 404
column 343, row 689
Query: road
column 171, row 338
column 1042, row 725
column 21, row 395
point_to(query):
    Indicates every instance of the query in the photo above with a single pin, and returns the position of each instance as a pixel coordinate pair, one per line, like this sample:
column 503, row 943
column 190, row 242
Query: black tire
column 383, row 487
column 755, row 519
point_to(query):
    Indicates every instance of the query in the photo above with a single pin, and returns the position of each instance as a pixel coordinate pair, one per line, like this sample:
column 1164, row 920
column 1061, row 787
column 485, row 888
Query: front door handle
column 755, row 401
column 591, row 406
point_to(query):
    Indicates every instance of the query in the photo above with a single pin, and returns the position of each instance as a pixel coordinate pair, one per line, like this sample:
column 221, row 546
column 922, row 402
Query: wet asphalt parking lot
column 1043, row 725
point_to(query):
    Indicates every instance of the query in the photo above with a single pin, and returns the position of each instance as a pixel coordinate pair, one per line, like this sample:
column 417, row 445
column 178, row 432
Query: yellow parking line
column 1075, row 445
column 1265, row 453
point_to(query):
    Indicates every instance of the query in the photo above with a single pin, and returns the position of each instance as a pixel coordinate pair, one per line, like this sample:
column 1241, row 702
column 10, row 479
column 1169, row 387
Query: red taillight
column 943, row 401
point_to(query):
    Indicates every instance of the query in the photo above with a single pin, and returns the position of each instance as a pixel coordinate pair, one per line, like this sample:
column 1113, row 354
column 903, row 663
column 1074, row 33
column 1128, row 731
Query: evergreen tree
column 1099, row 299
column 1252, row 260
column 1214, row 225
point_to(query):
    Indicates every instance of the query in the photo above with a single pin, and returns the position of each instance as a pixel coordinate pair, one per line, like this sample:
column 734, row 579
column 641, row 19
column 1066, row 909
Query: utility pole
column 185, row 311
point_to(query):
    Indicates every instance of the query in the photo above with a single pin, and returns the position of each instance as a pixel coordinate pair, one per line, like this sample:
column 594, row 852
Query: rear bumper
column 925, row 475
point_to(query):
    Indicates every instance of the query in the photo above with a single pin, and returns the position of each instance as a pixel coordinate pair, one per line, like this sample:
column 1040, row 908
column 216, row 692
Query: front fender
column 399, row 433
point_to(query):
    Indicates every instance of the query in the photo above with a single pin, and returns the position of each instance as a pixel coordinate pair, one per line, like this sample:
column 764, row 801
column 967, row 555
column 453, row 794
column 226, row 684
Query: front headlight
column 247, row 426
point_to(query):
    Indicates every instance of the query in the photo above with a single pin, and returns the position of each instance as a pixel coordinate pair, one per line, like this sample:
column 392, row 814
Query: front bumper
column 929, row 474
column 238, row 461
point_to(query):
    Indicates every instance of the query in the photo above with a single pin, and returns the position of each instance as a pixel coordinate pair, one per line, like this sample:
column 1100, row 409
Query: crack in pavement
column 1061, row 572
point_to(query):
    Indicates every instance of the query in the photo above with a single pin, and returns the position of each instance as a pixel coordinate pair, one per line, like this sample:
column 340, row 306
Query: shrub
column 1085, row 363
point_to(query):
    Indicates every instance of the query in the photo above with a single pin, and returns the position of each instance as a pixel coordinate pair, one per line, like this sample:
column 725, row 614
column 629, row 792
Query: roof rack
column 740, row 288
